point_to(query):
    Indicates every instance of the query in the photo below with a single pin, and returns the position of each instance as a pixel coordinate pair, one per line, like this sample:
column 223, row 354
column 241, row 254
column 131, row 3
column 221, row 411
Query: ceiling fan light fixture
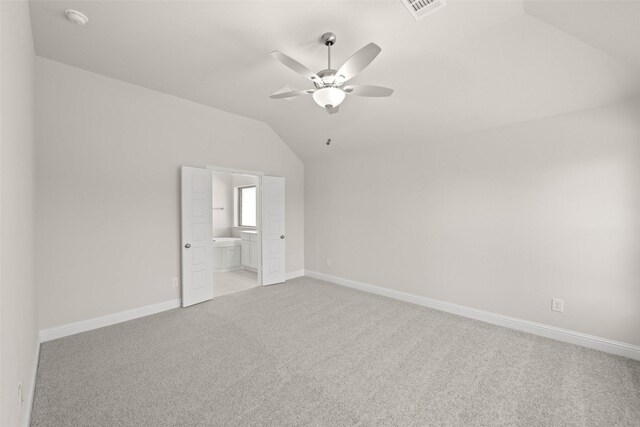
column 328, row 96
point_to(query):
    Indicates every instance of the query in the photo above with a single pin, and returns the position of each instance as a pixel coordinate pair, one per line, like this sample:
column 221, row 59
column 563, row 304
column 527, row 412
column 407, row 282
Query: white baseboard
column 123, row 316
column 294, row 274
column 110, row 319
column 32, row 388
column 590, row 341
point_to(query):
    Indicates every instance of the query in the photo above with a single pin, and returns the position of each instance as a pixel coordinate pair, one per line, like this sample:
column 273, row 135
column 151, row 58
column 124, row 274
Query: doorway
column 264, row 244
column 236, row 232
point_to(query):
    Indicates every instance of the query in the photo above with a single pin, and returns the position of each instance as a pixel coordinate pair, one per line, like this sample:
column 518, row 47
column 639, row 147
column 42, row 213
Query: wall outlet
column 557, row 305
column 175, row 282
column 20, row 398
column 328, row 262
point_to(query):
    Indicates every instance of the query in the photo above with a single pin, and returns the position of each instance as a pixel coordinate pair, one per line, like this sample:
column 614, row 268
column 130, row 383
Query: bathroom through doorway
column 249, row 239
column 236, row 231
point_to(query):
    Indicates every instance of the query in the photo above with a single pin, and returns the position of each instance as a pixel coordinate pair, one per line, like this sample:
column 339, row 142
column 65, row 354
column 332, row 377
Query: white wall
column 222, row 198
column 500, row 220
column 108, row 157
column 224, row 185
column 18, row 325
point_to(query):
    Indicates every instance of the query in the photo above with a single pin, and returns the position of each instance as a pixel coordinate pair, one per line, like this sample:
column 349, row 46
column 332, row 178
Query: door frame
column 258, row 175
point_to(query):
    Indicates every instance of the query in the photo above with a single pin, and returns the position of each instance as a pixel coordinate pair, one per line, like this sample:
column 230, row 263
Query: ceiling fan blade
column 291, row 94
column 296, row 66
column 358, row 62
column 375, row 91
column 333, row 110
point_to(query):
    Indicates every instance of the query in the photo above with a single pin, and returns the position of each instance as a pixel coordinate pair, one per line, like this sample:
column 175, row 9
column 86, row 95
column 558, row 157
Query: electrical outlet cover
column 557, row 305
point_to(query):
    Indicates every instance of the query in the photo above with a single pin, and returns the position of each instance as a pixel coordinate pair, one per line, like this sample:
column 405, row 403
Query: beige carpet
column 311, row 353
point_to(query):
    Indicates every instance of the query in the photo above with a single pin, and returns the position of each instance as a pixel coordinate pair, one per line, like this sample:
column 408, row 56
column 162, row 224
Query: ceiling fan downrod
column 329, row 40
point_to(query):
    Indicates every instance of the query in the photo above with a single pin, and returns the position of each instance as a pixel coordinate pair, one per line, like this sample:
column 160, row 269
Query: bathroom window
column 247, row 206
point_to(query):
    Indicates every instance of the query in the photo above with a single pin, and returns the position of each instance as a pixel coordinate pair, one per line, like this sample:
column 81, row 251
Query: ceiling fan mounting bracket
column 329, row 39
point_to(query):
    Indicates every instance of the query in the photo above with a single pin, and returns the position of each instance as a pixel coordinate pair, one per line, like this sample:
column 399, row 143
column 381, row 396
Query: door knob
column 282, row 236
column 188, row 245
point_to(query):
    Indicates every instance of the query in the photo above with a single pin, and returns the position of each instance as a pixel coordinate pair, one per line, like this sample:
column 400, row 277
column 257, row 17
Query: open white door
column 272, row 230
column 197, row 235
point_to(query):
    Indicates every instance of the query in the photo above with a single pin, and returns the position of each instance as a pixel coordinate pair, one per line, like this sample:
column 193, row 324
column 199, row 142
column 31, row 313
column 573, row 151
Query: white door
column 197, row 236
column 273, row 237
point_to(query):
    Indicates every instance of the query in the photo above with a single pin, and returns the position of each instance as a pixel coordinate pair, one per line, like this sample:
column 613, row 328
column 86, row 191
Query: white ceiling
column 613, row 26
column 471, row 65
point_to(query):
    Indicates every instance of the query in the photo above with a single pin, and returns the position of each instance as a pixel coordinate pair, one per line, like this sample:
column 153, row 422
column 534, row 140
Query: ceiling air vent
column 421, row 8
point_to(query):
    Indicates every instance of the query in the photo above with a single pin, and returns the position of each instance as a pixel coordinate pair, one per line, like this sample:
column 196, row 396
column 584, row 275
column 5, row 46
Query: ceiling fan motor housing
column 328, row 78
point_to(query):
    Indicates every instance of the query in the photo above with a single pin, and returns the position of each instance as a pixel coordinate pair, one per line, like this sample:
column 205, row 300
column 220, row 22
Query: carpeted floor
column 311, row 353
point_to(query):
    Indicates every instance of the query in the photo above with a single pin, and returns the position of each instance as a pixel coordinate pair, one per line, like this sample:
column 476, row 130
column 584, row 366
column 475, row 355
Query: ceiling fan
column 330, row 89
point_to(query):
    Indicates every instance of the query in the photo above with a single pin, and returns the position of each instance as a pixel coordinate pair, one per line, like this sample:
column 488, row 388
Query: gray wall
column 108, row 156
column 18, row 345
column 500, row 220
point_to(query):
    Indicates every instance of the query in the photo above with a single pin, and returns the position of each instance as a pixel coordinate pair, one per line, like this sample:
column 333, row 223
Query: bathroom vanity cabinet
column 249, row 251
column 226, row 254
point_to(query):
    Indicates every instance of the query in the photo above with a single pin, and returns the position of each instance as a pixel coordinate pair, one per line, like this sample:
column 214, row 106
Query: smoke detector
column 76, row 17
column 421, row 8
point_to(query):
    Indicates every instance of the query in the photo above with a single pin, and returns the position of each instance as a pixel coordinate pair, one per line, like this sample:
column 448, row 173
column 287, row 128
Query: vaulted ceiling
column 471, row 65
